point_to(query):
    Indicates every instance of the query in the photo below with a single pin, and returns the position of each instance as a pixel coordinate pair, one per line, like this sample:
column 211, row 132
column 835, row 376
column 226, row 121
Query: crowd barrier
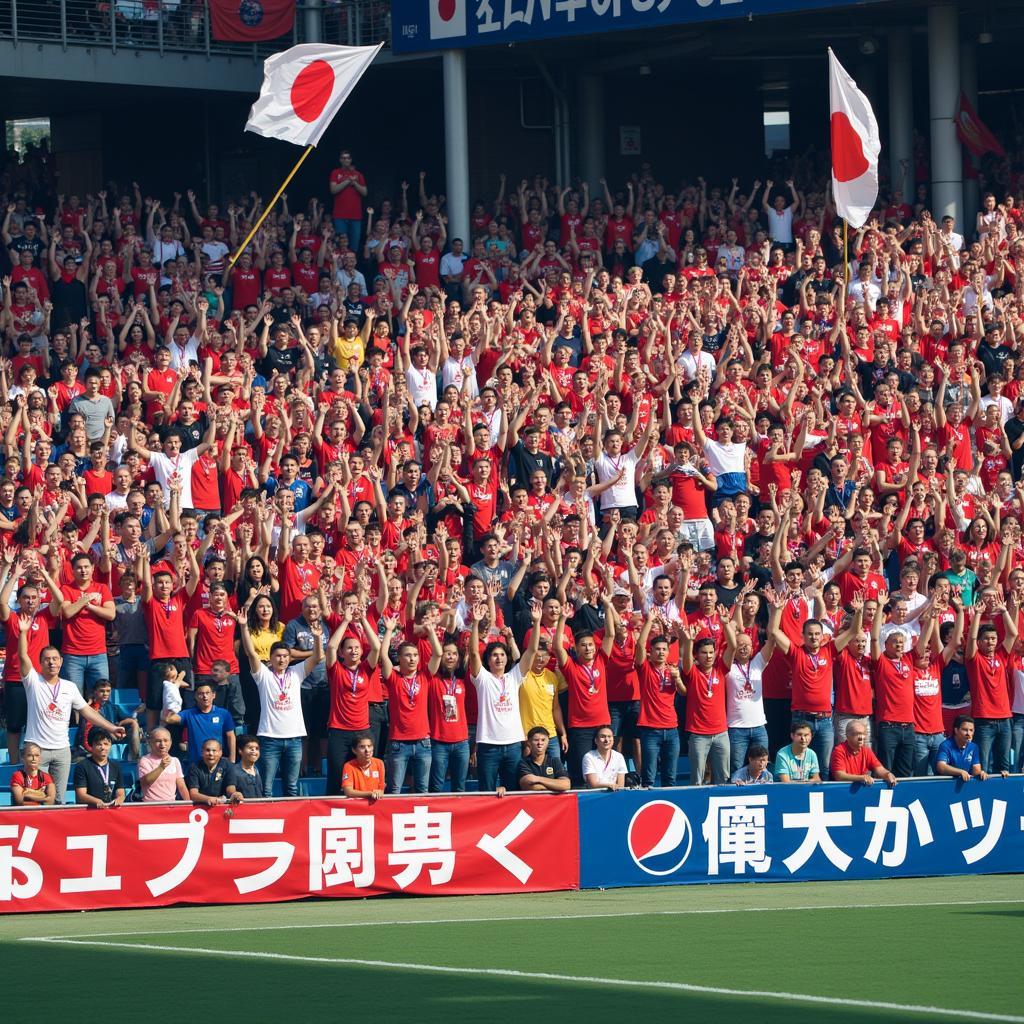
column 144, row 855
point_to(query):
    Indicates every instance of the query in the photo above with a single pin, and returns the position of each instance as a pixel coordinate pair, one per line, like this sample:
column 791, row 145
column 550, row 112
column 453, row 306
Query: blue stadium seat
column 6, row 773
column 313, row 786
column 128, row 699
column 5, row 798
column 4, row 756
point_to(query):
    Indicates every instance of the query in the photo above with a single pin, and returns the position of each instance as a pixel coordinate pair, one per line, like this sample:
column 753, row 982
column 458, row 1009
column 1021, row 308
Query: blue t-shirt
column 799, row 769
column 214, row 725
column 302, row 491
column 964, row 759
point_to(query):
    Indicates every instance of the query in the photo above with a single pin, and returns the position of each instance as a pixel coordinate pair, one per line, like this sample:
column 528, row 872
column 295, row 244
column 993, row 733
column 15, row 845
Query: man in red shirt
column 988, row 674
column 706, row 725
column 854, row 761
column 86, row 607
column 658, row 722
column 297, row 574
column 348, row 186
column 164, row 609
column 587, row 677
column 408, row 686
column 893, row 675
column 352, row 679
column 212, row 638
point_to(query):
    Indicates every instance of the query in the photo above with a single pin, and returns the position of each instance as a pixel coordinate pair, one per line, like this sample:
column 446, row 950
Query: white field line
column 538, row 917
column 497, row 972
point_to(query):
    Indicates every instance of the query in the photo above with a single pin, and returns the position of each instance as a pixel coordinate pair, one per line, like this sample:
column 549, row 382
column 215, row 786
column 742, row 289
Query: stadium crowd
column 622, row 474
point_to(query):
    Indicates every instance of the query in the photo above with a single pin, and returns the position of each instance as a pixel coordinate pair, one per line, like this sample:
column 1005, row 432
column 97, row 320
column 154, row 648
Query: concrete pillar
column 590, row 126
column 969, row 85
column 311, row 22
column 456, row 143
column 901, row 112
column 943, row 91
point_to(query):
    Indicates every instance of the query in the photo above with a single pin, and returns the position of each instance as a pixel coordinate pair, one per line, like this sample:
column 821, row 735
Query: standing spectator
column 348, row 186
column 85, row 606
column 987, row 666
column 205, row 722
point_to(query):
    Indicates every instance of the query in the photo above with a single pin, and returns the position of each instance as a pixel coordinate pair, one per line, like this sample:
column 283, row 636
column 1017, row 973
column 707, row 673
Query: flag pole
column 846, row 258
column 269, row 207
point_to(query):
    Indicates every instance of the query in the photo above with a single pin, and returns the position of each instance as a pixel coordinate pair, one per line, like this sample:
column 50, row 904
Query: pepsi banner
column 423, row 25
column 801, row 833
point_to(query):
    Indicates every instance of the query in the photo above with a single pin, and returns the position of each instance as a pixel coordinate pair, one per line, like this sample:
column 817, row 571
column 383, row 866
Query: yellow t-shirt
column 264, row 639
column 346, row 350
column 536, row 697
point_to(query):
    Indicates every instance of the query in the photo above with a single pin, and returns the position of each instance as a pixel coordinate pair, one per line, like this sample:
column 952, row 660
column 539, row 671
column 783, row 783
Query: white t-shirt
column 743, row 706
column 422, row 386
column 172, row 697
column 280, row 707
column 780, row 225
column 458, row 372
column 725, row 458
column 164, row 469
column 49, row 710
column 498, row 718
column 622, row 494
column 606, row 771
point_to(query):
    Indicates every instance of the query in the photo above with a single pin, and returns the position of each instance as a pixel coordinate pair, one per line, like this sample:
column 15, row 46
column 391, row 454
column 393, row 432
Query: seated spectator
column 538, row 770
column 959, row 755
column 604, row 767
column 363, row 775
column 854, row 761
column 99, row 782
column 245, row 779
column 30, row 786
column 755, row 771
column 100, row 701
column 209, row 778
column 797, row 762
column 160, row 775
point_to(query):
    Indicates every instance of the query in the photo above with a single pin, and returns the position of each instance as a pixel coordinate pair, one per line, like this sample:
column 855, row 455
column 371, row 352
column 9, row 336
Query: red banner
column 251, row 21
column 143, row 856
column 973, row 132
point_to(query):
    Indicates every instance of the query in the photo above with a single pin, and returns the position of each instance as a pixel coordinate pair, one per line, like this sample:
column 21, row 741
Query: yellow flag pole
column 846, row 256
column 269, row 207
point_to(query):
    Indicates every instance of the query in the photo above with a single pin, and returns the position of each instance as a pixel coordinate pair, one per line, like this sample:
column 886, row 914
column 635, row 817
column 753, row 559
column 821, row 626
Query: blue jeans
column 352, row 228
column 660, row 749
column 823, row 738
column 1017, row 734
column 445, row 757
column 741, row 740
column 702, row 749
column 404, row 754
column 926, row 746
column 896, row 745
column 286, row 754
column 85, row 669
column 496, row 763
column 993, row 736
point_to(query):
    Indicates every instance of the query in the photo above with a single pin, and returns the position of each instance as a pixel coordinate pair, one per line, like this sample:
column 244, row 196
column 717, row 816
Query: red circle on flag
column 848, row 159
column 446, row 9
column 312, row 89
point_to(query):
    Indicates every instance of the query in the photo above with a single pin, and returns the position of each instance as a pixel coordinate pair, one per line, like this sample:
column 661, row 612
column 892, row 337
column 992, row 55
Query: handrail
column 183, row 26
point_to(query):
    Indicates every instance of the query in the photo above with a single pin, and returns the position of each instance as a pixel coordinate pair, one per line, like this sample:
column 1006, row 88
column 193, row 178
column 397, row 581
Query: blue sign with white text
column 422, row 25
column 783, row 833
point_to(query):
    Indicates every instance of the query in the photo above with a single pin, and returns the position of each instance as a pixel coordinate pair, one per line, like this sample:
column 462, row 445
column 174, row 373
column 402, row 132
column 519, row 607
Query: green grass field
column 940, row 948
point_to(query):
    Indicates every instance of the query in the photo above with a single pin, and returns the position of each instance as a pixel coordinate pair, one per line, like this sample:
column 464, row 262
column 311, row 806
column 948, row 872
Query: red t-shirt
column 853, row 684
column 165, row 623
column 894, row 689
column 845, row 760
column 928, row 697
column 348, row 203
column 988, row 679
column 86, row 633
column 705, row 701
column 408, row 700
column 215, row 639
column 446, row 707
column 350, row 695
column 38, row 638
column 812, row 678
column 297, row 581
column 657, row 698
column 588, row 692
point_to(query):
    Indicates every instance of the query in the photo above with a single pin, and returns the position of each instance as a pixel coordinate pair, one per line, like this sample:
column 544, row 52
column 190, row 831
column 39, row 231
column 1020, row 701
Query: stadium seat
column 6, row 773
column 313, row 786
column 5, row 758
column 128, row 699
column 5, row 798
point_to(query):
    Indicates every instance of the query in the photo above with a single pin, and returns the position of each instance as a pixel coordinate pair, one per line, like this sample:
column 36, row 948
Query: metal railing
column 182, row 26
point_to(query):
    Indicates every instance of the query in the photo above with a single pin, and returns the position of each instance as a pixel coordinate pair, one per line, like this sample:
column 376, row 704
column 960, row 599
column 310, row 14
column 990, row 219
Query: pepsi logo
column 659, row 837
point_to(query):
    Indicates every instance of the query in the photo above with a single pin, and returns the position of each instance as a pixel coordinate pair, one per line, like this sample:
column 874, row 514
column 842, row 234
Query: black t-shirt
column 210, row 782
column 250, row 786
column 193, row 433
column 1014, row 428
column 549, row 768
column 283, row 360
column 20, row 244
column 100, row 782
column 522, row 464
column 727, row 595
column 993, row 357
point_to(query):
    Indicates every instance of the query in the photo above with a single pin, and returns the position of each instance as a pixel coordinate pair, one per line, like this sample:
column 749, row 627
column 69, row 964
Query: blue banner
column 801, row 833
column 422, row 25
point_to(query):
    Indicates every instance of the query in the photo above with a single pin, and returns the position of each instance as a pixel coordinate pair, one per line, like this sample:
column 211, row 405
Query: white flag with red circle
column 855, row 146
column 304, row 87
column 447, row 19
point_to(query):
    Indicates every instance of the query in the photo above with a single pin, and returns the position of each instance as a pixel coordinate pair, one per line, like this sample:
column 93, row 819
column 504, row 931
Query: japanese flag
column 304, row 87
column 855, row 146
column 447, row 18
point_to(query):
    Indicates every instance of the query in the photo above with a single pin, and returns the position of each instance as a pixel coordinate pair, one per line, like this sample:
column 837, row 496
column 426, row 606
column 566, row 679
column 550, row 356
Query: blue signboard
column 423, row 25
column 801, row 833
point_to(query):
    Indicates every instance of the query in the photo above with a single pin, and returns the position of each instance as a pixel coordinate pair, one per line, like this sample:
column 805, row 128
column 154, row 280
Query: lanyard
column 412, row 689
column 451, row 685
column 593, row 675
column 282, row 685
column 354, row 679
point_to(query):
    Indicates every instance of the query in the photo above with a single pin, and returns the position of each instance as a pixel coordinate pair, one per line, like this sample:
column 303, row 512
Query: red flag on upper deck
column 251, row 21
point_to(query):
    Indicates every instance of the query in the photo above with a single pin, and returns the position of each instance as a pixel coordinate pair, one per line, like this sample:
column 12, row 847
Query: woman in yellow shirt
column 538, row 699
